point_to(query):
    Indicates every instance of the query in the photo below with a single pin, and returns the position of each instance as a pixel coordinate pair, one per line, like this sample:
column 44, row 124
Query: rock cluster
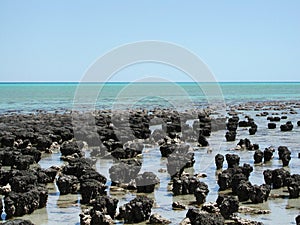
column 190, row 185
column 103, row 211
column 137, row 210
column 27, row 190
column 279, row 178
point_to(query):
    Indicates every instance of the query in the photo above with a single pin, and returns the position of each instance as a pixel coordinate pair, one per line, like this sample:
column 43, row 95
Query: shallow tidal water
column 65, row 209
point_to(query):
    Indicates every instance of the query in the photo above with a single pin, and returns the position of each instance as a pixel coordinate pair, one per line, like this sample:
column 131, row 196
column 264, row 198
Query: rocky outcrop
column 227, row 205
column 137, row 210
column 158, row 219
column 146, row 182
column 197, row 216
column 219, row 159
column 18, row 222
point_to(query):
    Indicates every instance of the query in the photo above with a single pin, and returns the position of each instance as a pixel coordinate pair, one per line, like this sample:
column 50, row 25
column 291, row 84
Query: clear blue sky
column 57, row 40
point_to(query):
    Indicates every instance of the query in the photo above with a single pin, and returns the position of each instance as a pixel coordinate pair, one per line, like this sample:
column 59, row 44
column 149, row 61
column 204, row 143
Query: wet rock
column 197, row 216
column 19, row 204
column 230, row 135
column 104, row 204
column 125, row 171
column 271, row 125
column 167, row 149
column 287, row 127
column 236, row 180
column 146, row 182
column 129, row 150
column 18, row 222
column 241, row 221
column 188, row 185
column 32, row 152
column 158, row 219
column 243, row 191
column 19, row 181
column 137, row 210
column 244, row 123
column 7, row 140
column 253, row 211
column 202, row 141
column 201, row 193
column 51, row 174
column 268, row 154
column 225, row 178
column 69, row 148
column 253, row 128
column 83, row 169
column 268, row 176
column 297, row 220
column 259, row 194
column 246, row 144
column 219, row 159
column 67, row 184
column 90, row 189
column 294, row 189
column 233, row 160
column 23, row 162
column 179, row 160
column 285, row 156
column 178, row 205
column 158, row 134
column 247, row 169
column 43, row 143
column 281, row 150
column 185, row 221
column 277, row 178
column 210, row 207
column 258, row 156
column 228, row 205
column 232, row 123
column 274, row 119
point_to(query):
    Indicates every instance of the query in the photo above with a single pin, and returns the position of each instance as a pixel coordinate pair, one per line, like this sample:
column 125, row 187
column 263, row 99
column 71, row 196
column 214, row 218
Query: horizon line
column 99, row 82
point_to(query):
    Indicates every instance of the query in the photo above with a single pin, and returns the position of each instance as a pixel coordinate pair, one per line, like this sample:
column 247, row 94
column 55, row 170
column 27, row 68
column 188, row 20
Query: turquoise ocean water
column 28, row 97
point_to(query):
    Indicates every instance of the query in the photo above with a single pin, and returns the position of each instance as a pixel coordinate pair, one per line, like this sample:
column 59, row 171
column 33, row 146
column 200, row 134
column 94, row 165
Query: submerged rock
column 18, row 222
column 258, row 156
column 230, row 135
column 268, row 154
column 259, row 194
column 228, row 205
column 158, row 219
column 219, row 159
column 297, row 220
column 137, row 210
column 197, row 216
column 19, row 204
column 146, row 182
column 233, row 160
column 67, row 184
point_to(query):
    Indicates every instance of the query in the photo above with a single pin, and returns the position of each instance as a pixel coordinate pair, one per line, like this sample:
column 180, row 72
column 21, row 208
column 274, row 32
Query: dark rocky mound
column 103, row 211
column 137, row 210
column 219, row 159
column 18, row 222
column 246, row 144
column 197, row 216
column 146, row 182
column 231, row 177
column 124, row 171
